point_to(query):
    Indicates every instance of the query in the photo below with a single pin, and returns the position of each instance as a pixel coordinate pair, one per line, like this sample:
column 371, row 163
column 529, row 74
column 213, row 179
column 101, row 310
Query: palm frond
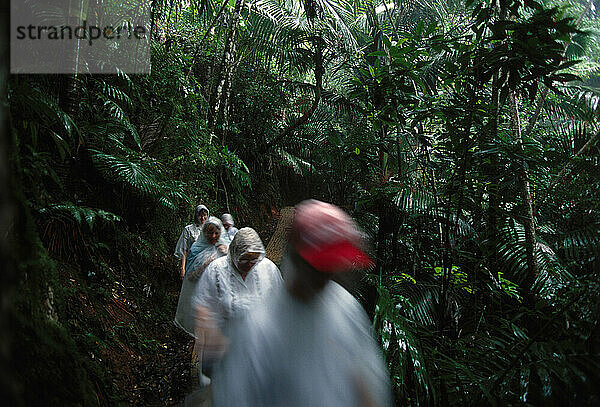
column 415, row 201
column 577, row 103
column 116, row 94
column 46, row 111
column 511, row 253
column 116, row 112
column 298, row 165
column 405, row 355
column 581, row 243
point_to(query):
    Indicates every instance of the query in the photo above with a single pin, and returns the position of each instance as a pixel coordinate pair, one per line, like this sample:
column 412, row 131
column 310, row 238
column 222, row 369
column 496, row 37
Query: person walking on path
column 231, row 287
column 209, row 246
column 309, row 344
column 188, row 236
column 227, row 220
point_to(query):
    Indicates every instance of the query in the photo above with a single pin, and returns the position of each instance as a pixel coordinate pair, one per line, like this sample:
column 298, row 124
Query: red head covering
column 327, row 238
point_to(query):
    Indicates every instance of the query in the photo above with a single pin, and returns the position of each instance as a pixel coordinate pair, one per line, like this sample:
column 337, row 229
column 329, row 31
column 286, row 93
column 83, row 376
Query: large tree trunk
column 219, row 116
column 8, row 222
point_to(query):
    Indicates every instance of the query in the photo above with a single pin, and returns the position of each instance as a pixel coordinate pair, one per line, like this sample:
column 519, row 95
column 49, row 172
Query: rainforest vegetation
column 463, row 137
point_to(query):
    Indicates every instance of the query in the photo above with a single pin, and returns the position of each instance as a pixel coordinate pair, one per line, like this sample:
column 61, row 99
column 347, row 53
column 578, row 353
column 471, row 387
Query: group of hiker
column 264, row 340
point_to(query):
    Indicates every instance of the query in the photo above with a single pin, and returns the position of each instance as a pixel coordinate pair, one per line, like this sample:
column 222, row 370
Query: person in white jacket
column 309, row 344
column 229, row 288
column 227, row 220
column 188, row 236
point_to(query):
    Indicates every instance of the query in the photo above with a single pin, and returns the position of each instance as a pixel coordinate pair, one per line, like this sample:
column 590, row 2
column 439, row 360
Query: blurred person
column 227, row 220
column 229, row 288
column 189, row 235
column 310, row 344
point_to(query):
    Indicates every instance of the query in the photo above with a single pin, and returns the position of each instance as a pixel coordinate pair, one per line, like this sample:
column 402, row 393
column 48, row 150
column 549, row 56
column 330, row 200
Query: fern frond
column 139, row 175
column 127, row 170
column 80, row 214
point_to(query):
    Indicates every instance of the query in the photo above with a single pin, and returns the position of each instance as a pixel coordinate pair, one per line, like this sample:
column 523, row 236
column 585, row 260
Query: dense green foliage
column 462, row 136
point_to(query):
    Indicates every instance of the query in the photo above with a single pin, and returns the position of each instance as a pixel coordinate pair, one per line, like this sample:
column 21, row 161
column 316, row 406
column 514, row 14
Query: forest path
column 165, row 378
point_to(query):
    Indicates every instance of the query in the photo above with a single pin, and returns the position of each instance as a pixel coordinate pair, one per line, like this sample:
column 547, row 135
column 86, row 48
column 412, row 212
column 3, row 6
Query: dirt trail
column 165, row 378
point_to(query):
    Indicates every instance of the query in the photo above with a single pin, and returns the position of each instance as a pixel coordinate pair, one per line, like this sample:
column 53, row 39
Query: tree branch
column 318, row 60
column 210, row 26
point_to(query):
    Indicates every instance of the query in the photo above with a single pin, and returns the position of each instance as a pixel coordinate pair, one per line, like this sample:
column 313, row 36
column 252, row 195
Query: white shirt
column 227, row 296
column 288, row 353
column 187, row 238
